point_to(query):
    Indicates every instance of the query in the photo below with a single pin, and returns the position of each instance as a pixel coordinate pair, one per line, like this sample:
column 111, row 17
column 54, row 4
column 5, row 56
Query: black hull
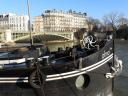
column 88, row 78
column 98, row 86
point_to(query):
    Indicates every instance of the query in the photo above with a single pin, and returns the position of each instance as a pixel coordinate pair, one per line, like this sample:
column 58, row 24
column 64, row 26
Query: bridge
column 8, row 36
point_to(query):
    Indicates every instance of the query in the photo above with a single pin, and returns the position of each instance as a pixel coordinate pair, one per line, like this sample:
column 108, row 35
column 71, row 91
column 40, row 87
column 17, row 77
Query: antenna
column 31, row 37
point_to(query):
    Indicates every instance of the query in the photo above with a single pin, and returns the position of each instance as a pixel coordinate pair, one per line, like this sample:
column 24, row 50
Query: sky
column 94, row 8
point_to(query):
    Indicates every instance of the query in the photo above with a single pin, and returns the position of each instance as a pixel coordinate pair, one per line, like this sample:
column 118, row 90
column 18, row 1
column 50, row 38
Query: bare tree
column 123, row 21
column 105, row 23
column 112, row 19
column 91, row 22
column 97, row 25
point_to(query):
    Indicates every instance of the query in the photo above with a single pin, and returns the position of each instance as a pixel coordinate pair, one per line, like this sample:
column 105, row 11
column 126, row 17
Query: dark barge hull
column 95, row 82
column 98, row 86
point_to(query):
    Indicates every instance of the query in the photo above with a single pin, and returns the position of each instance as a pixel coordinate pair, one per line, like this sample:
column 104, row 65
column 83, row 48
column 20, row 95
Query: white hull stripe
column 79, row 72
column 20, row 81
column 83, row 69
column 2, row 62
column 62, row 75
column 14, row 78
column 20, row 60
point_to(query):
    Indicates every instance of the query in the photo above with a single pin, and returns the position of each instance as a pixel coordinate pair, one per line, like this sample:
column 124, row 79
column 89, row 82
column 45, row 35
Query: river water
column 121, row 82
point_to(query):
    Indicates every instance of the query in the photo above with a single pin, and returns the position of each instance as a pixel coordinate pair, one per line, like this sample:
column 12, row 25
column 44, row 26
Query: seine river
column 121, row 82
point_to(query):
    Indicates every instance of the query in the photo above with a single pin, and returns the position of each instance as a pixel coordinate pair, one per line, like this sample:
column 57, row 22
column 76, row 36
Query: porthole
column 82, row 82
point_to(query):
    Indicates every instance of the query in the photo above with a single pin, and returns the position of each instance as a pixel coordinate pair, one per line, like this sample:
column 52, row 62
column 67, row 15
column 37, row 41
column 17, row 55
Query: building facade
column 60, row 21
column 14, row 22
column 38, row 24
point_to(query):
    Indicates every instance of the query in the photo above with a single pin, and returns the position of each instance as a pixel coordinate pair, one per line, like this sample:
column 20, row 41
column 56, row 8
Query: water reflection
column 121, row 85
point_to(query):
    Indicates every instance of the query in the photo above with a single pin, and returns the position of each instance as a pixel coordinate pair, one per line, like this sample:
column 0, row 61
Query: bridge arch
column 40, row 37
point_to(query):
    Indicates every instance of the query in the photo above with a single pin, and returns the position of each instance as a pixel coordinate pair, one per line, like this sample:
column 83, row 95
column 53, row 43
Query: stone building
column 60, row 21
column 38, row 24
column 14, row 22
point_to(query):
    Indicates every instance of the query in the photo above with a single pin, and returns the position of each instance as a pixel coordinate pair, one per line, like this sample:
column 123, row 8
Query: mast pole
column 31, row 37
